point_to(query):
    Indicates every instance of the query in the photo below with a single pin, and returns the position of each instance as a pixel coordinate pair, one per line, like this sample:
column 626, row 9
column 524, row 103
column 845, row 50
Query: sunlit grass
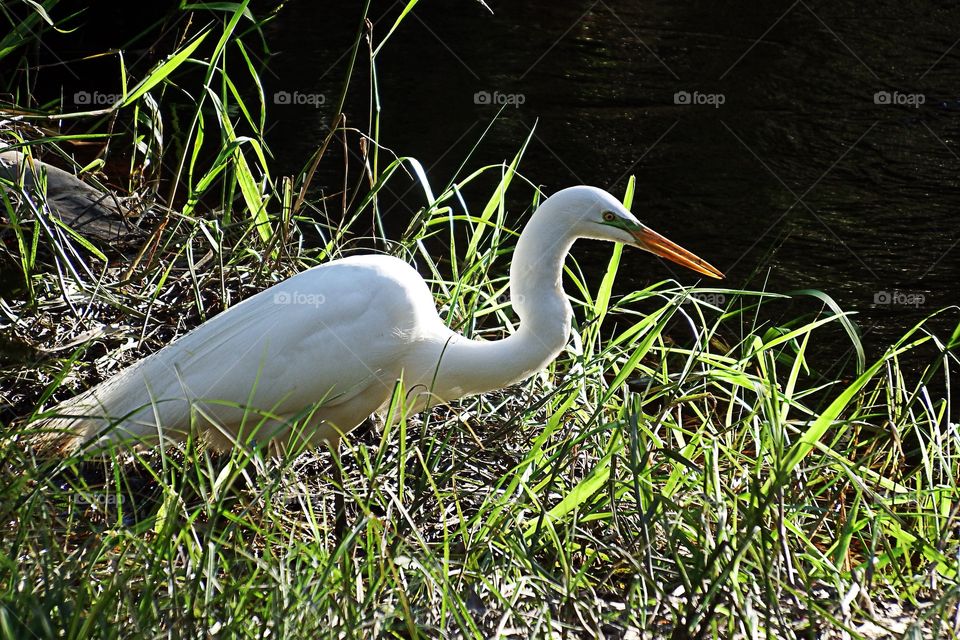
column 682, row 468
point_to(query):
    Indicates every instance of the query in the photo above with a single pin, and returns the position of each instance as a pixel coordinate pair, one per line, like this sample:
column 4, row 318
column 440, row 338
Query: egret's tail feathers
column 59, row 436
column 75, row 426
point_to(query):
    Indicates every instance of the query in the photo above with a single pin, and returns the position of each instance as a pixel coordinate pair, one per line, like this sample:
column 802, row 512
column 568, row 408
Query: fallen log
column 97, row 216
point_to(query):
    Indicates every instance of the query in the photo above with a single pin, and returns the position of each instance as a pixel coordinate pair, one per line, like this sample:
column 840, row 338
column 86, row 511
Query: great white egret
column 338, row 337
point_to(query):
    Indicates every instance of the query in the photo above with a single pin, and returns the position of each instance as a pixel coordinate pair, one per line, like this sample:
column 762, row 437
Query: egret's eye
column 609, row 216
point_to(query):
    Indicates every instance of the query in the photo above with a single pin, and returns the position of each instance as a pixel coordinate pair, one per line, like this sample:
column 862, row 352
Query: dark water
column 792, row 171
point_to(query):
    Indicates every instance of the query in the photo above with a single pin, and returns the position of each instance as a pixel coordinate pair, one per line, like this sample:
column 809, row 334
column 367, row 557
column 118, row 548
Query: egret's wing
column 326, row 335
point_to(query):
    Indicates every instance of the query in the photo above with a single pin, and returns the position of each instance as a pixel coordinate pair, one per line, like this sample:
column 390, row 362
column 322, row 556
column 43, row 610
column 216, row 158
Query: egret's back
column 335, row 337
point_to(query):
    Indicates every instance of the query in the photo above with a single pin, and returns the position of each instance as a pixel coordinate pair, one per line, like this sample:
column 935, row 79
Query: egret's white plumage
column 337, row 337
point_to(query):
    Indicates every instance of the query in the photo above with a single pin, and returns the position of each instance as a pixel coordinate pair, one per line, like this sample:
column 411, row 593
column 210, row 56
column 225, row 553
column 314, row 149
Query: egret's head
column 594, row 213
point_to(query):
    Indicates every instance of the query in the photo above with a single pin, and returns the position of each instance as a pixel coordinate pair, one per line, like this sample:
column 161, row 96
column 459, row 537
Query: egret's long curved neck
column 537, row 298
column 536, row 273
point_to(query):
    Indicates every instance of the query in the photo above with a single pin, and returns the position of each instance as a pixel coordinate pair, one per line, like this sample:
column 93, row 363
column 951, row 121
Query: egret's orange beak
column 656, row 244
